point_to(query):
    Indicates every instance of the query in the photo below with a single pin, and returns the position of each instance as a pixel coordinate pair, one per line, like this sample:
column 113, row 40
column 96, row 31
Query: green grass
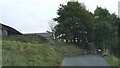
column 112, row 61
column 17, row 53
column 29, row 54
column 73, row 50
column 34, row 50
column 67, row 49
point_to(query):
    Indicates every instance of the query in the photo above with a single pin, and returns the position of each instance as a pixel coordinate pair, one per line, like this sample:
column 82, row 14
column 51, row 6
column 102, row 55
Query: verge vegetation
column 21, row 53
column 112, row 61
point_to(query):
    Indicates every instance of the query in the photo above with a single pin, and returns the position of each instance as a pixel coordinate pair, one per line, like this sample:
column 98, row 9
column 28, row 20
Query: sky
column 32, row 16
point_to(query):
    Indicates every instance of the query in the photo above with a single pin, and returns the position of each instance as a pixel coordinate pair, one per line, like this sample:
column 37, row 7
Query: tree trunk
column 103, row 47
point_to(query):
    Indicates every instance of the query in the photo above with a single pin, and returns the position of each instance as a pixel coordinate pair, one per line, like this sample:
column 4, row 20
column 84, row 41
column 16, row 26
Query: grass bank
column 112, row 61
column 34, row 50
column 67, row 49
column 16, row 53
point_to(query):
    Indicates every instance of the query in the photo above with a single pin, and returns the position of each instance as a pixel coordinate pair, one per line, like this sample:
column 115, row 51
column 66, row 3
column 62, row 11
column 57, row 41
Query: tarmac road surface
column 85, row 61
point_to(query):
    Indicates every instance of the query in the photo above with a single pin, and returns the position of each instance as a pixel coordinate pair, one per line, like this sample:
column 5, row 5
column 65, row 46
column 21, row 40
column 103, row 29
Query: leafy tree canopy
column 75, row 23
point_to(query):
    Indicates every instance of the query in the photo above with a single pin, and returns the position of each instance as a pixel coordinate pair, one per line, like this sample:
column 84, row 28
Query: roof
column 10, row 29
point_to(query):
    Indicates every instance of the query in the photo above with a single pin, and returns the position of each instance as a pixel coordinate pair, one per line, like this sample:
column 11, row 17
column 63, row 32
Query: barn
column 6, row 30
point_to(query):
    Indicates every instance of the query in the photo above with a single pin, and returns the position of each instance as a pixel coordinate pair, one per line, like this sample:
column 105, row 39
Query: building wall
column 0, row 31
column 4, row 32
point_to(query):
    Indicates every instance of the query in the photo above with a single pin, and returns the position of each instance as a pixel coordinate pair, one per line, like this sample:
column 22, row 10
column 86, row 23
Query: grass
column 17, row 53
column 67, row 49
column 28, row 54
column 112, row 61
column 73, row 50
column 34, row 50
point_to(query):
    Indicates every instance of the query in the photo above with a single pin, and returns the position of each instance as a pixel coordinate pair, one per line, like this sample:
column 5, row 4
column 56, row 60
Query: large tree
column 106, row 30
column 75, row 23
column 102, row 29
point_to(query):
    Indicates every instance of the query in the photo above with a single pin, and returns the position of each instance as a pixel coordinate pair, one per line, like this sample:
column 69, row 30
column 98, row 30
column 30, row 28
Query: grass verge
column 31, row 50
column 28, row 54
column 112, row 61
column 67, row 49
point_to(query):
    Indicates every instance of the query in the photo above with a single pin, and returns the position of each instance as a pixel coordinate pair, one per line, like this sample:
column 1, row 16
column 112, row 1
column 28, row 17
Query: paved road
column 88, row 60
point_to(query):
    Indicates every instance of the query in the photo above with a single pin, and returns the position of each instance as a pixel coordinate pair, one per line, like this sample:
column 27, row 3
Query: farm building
column 6, row 30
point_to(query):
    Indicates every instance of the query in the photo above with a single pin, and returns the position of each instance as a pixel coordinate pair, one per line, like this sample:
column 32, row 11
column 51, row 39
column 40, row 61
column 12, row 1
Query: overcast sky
column 32, row 16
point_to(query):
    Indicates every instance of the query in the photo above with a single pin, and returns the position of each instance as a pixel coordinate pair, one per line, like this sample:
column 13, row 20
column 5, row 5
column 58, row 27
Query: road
column 86, row 60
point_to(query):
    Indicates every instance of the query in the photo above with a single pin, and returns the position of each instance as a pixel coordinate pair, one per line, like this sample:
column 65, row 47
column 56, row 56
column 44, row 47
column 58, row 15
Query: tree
column 52, row 24
column 119, row 39
column 102, row 33
column 106, row 30
column 75, row 23
column 114, row 46
column 101, row 14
